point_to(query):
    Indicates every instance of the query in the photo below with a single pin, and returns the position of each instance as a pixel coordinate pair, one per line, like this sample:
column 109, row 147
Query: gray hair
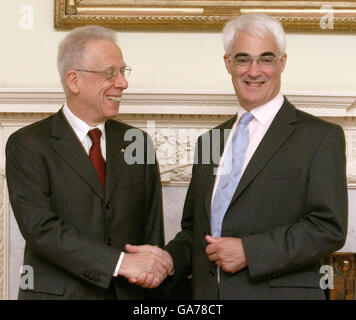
column 71, row 50
column 257, row 24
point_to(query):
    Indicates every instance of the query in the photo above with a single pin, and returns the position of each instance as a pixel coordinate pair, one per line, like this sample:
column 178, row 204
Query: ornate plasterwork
column 175, row 152
column 180, row 116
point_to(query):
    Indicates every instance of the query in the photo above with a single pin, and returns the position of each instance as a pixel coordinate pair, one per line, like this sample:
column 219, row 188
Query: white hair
column 71, row 50
column 257, row 24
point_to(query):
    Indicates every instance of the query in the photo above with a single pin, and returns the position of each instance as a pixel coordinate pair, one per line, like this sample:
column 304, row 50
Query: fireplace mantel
column 174, row 119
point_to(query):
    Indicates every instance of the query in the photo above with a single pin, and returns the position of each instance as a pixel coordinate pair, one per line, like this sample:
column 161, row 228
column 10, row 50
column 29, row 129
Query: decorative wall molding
column 4, row 239
column 180, row 116
column 178, row 102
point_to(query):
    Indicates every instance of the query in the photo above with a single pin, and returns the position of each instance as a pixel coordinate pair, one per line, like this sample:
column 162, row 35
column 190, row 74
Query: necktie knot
column 246, row 118
column 95, row 135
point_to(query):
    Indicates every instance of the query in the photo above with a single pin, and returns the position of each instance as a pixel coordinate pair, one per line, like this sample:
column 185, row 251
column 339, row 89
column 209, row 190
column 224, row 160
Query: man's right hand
column 146, row 265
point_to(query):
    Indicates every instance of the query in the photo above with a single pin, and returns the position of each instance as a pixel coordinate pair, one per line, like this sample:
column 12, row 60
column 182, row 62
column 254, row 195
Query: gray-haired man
column 278, row 204
column 76, row 200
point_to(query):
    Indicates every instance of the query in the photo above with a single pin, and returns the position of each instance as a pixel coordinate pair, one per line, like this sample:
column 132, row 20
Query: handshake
column 146, row 265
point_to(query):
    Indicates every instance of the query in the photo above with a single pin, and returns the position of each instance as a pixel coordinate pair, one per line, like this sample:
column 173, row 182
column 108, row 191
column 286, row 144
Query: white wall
column 188, row 60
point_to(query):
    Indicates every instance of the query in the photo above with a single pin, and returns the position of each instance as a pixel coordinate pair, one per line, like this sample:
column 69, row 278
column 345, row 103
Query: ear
column 283, row 60
column 227, row 61
column 73, row 81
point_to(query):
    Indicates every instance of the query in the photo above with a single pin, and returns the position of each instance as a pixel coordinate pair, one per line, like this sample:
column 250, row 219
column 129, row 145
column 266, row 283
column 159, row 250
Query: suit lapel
column 275, row 136
column 209, row 181
column 115, row 161
column 66, row 144
column 217, row 145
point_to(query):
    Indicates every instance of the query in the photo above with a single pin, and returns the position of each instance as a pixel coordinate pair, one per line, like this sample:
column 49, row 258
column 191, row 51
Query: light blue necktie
column 230, row 173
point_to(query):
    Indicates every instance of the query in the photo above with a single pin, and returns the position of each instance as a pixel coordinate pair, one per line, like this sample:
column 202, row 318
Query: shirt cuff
column 116, row 272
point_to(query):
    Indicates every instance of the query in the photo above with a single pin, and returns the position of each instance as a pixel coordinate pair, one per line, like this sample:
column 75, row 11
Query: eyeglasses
column 111, row 74
column 262, row 61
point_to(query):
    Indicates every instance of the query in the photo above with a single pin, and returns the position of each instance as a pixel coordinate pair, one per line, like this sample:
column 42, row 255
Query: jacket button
column 108, row 205
column 109, row 242
column 211, row 273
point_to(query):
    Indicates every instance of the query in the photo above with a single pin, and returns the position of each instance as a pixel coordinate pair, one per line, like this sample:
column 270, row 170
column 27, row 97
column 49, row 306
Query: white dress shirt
column 81, row 129
column 258, row 126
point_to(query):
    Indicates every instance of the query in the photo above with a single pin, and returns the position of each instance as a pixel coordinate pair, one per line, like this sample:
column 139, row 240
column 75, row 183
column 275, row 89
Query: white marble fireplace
column 174, row 119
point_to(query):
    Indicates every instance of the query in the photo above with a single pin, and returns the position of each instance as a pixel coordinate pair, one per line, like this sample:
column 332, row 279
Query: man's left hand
column 227, row 253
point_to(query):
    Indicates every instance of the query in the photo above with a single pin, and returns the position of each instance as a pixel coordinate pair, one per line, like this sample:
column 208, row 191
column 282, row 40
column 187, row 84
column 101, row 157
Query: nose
column 121, row 82
column 254, row 69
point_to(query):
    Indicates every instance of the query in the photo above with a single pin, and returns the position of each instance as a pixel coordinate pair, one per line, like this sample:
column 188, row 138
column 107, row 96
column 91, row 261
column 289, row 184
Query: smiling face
column 94, row 98
column 255, row 85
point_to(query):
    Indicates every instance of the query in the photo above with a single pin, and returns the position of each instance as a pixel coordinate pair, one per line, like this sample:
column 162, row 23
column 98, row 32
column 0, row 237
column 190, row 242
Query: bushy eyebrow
column 264, row 54
column 268, row 53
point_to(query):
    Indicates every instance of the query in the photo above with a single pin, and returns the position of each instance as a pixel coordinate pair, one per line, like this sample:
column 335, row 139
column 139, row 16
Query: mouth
column 114, row 98
column 255, row 83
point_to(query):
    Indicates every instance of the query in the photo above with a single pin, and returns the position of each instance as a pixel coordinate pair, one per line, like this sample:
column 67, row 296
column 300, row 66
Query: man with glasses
column 256, row 224
column 76, row 200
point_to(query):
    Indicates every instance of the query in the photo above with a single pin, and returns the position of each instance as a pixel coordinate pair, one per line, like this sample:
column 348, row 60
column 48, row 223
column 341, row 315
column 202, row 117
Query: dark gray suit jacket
column 290, row 209
column 74, row 231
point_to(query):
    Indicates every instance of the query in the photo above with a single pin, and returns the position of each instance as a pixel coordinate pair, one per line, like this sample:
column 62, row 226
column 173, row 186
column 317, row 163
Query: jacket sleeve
column 181, row 246
column 323, row 227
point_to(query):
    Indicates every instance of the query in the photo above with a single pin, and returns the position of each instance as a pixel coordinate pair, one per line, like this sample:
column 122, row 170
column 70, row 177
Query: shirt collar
column 266, row 111
column 79, row 126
